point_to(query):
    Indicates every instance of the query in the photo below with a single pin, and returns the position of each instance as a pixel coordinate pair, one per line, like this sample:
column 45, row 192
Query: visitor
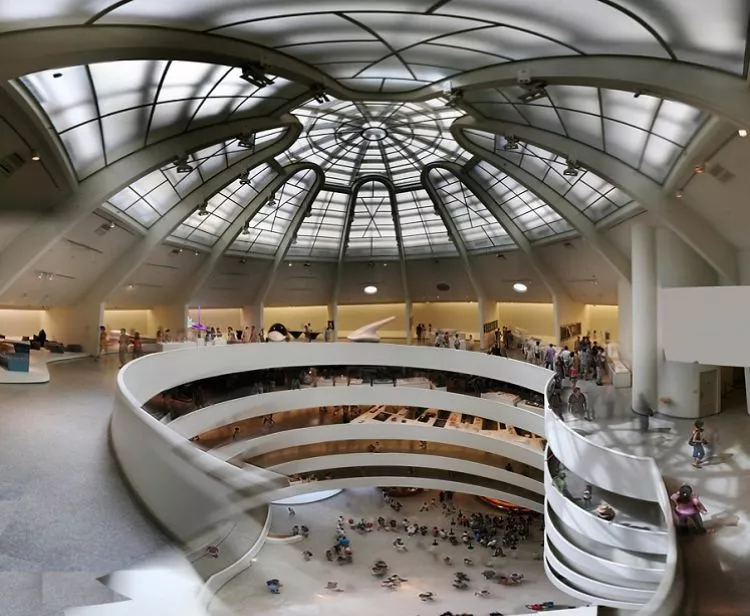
column 577, row 403
column 124, row 343
column 137, row 345
column 549, row 357
column 697, row 442
column 419, row 333
column 605, row 512
column 688, row 507
column 235, row 433
column 102, row 342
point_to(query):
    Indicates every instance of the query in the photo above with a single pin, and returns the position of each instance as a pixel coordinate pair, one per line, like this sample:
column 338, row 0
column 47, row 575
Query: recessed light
column 35, row 156
column 370, row 289
column 742, row 132
column 678, row 194
column 520, row 287
column 289, row 264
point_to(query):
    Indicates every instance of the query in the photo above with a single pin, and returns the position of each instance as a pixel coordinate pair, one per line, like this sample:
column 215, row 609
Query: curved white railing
column 630, row 476
column 184, row 488
column 247, row 407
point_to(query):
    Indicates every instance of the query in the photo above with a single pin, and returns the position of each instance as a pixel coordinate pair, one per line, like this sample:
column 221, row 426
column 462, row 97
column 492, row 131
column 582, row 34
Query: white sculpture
column 368, row 333
column 275, row 336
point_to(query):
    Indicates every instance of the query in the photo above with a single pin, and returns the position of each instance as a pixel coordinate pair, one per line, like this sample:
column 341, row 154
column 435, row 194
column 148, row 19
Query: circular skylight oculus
column 370, row 289
column 373, row 131
column 520, row 287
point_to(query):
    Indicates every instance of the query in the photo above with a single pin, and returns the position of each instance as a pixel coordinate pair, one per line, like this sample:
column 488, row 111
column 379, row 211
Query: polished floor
column 66, row 517
column 304, row 593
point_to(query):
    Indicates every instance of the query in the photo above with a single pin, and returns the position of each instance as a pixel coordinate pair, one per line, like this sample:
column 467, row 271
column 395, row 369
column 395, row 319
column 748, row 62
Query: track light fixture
column 271, row 199
column 453, row 98
column 308, row 212
column 35, row 156
column 572, row 169
column 511, row 143
column 182, row 165
column 255, row 74
column 319, row 94
column 111, row 225
column 533, row 91
column 245, row 179
column 246, row 141
column 202, row 209
column 246, row 228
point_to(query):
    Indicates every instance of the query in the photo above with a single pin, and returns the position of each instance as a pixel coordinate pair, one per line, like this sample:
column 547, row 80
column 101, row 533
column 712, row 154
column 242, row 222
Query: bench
column 15, row 362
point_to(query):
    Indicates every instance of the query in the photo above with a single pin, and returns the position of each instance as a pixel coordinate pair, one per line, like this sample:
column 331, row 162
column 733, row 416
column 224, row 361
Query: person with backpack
column 697, row 442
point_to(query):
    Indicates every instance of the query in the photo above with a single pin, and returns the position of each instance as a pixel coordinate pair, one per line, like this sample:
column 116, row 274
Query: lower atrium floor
column 304, row 591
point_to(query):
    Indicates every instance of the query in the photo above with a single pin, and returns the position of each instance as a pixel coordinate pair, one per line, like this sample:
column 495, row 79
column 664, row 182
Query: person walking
column 137, row 345
column 123, row 344
column 577, row 403
column 549, row 357
column 697, row 442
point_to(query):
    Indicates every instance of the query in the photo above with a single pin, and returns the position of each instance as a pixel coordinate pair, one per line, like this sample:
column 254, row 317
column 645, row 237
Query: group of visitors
column 129, row 346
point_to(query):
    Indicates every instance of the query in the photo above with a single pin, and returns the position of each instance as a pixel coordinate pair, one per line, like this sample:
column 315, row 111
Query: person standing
column 137, row 345
column 123, row 345
column 102, row 342
column 549, row 357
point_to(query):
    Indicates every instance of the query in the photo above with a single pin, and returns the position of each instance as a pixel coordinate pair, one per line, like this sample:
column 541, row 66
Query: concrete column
column 333, row 313
column 409, row 320
column 625, row 320
column 252, row 314
column 644, row 313
column 567, row 311
column 77, row 324
column 169, row 317
column 487, row 309
column 678, row 382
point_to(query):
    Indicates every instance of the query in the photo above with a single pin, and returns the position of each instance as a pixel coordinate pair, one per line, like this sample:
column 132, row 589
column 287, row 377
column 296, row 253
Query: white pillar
column 566, row 311
column 625, row 320
column 77, row 324
column 409, row 320
column 487, row 313
column 333, row 313
column 252, row 314
column 644, row 313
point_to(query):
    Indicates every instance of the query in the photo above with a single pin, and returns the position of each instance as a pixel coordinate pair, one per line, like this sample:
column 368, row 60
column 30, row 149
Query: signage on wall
column 490, row 327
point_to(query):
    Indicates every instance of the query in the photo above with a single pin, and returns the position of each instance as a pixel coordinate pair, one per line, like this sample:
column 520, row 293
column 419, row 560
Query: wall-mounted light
column 370, row 289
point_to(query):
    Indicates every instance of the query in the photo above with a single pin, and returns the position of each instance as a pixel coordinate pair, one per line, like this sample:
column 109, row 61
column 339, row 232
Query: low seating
column 55, row 347
column 15, row 362
column 74, row 348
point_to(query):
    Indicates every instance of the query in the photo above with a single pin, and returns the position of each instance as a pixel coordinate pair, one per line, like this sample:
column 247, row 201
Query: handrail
column 666, row 598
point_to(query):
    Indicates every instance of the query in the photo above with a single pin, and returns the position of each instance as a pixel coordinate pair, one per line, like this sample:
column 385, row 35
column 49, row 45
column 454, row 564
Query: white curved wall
column 352, row 460
column 248, row 407
column 610, row 470
column 378, row 431
column 407, row 482
column 196, row 363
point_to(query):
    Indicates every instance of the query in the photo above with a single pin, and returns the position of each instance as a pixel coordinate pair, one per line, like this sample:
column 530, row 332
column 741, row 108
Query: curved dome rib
column 686, row 223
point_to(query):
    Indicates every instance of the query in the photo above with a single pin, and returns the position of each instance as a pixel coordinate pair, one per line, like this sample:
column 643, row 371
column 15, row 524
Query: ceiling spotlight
column 202, row 209
column 699, row 169
column 319, row 94
column 131, row 287
column 182, row 165
column 453, row 98
column 246, row 228
column 678, row 194
column 36, row 158
column 742, row 132
column 533, row 91
column 370, row 289
column 520, row 287
column 290, row 264
column 255, row 75
column 572, row 169
column 196, row 253
column 511, row 143
column 180, row 250
column 271, row 199
column 246, row 141
column 111, row 225
column 245, row 178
